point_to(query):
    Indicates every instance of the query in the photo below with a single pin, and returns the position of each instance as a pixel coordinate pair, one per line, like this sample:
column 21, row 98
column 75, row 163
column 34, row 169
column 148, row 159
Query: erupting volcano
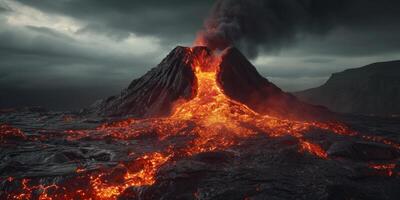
column 198, row 109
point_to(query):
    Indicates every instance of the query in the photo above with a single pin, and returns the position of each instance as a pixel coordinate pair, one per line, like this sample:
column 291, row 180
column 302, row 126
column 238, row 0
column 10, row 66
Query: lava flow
column 212, row 120
column 216, row 115
column 7, row 131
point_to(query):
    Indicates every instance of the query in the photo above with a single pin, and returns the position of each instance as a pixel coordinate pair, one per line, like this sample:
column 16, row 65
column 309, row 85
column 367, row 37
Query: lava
column 385, row 169
column 9, row 132
column 140, row 172
column 27, row 191
column 313, row 149
column 214, row 121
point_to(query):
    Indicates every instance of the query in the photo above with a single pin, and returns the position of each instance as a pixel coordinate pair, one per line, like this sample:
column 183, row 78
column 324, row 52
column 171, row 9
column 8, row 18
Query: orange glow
column 387, row 169
column 140, row 173
column 216, row 122
column 7, row 131
column 313, row 149
column 199, row 41
column 381, row 140
column 27, row 191
column 219, row 118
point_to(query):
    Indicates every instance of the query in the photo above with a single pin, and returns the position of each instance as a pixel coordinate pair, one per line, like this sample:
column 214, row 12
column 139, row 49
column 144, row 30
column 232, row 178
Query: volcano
column 201, row 125
column 174, row 80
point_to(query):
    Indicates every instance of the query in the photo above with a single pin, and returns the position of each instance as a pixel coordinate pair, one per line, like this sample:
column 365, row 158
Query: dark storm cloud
column 318, row 60
column 3, row 9
column 302, row 70
column 38, row 61
column 348, row 42
column 113, row 33
column 173, row 19
column 39, row 66
column 268, row 25
column 45, row 42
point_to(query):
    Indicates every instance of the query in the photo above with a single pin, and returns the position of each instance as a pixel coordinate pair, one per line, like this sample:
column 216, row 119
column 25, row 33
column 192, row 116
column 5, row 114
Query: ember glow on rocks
column 211, row 120
column 7, row 131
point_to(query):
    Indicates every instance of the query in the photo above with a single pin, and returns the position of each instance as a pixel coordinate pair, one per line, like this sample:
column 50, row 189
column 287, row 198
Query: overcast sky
column 64, row 54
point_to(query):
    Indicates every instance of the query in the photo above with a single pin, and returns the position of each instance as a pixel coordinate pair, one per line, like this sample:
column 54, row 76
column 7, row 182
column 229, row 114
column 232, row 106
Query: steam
column 273, row 24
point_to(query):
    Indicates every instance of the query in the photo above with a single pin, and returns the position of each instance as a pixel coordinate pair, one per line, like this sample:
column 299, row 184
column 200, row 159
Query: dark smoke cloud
column 265, row 25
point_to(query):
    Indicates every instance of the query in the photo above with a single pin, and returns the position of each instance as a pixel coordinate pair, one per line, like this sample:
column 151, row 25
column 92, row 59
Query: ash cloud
column 269, row 25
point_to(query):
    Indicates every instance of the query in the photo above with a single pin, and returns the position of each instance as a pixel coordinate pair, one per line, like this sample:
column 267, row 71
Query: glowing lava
column 385, row 169
column 7, row 132
column 218, row 116
column 215, row 121
column 140, row 172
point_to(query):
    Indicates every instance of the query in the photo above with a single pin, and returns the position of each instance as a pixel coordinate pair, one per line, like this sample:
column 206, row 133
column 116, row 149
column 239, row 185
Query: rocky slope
column 154, row 94
column 241, row 81
column 372, row 89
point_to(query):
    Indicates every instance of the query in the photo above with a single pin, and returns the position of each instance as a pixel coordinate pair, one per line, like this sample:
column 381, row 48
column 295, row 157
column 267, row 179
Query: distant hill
column 372, row 89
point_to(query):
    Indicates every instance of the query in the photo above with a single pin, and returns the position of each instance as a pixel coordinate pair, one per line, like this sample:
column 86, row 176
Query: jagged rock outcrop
column 372, row 89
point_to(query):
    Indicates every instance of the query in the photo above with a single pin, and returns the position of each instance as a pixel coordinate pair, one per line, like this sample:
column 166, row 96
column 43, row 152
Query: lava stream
column 215, row 121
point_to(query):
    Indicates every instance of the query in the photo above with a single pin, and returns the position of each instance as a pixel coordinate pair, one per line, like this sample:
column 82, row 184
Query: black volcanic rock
column 366, row 151
column 372, row 89
column 153, row 94
column 258, row 167
column 241, row 81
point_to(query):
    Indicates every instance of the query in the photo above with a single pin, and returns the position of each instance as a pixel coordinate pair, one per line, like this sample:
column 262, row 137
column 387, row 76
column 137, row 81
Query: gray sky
column 64, row 54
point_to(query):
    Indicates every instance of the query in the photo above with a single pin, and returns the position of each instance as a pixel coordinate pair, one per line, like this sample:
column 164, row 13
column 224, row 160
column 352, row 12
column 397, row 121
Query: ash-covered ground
column 42, row 158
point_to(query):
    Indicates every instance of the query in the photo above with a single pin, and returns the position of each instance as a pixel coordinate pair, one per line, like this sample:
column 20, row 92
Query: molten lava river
column 209, row 122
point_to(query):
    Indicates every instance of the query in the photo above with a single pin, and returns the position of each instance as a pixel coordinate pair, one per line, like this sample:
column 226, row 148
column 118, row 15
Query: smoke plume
column 267, row 25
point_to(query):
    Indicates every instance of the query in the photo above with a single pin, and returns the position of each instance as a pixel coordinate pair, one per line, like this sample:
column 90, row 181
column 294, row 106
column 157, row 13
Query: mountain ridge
column 371, row 89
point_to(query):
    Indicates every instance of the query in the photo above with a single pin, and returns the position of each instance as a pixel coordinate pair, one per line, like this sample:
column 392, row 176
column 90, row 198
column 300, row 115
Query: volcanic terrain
column 201, row 125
